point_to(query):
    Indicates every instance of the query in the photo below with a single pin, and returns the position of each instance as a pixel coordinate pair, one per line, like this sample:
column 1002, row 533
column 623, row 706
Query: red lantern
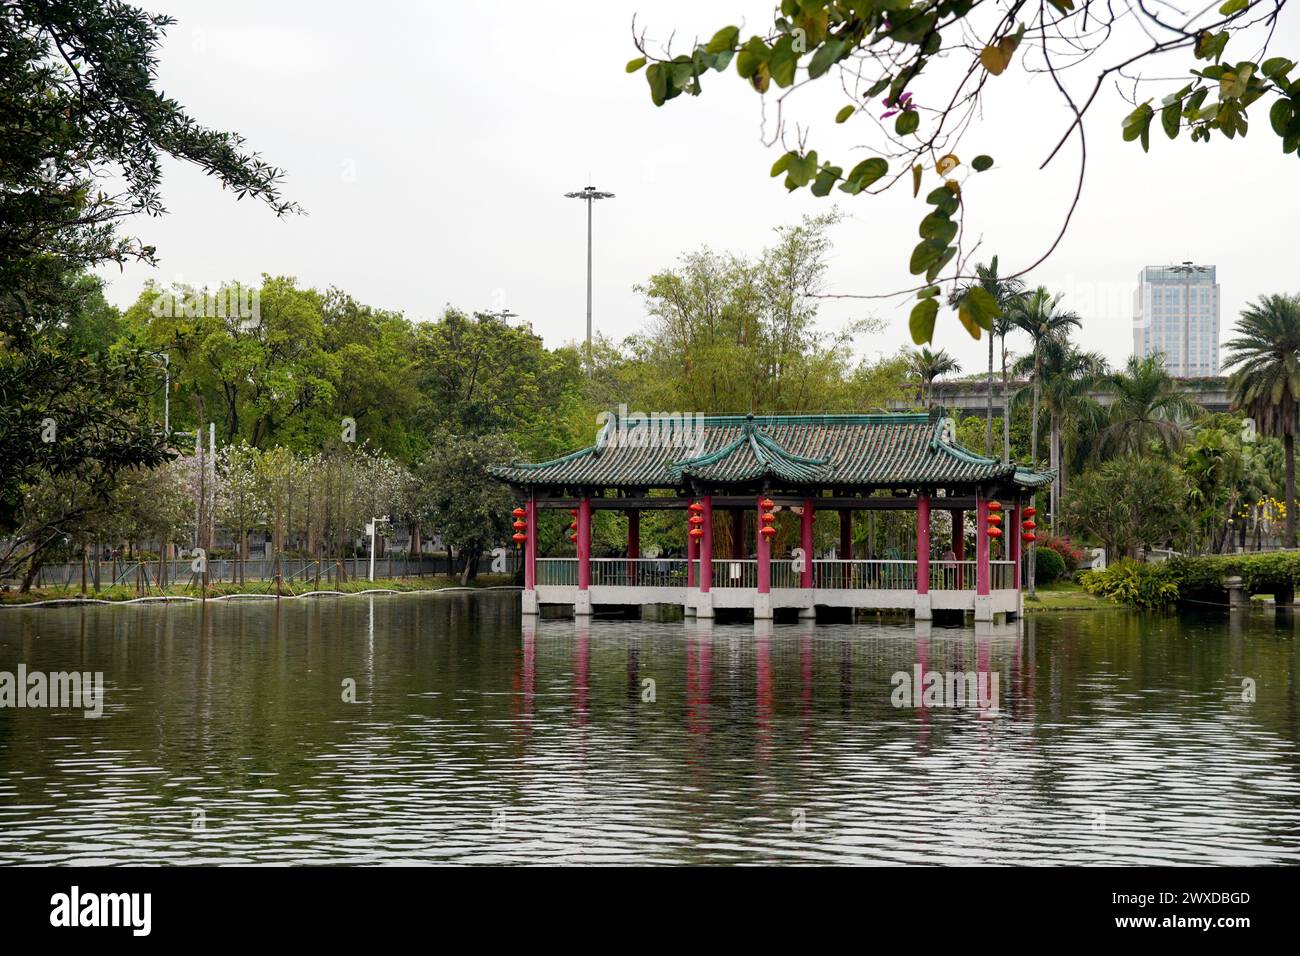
column 573, row 526
column 573, row 537
column 696, row 532
column 767, row 531
column 574, row 512
column 1029, row 525
column 1030, row 511
column 767, row 504
column 520, row 538
column 1029, row 536
column 995, row 506
column 519, row 512
column 995, row 519
column 695, row 520
column 767, row 518
column 695, row 507
column 995, row 532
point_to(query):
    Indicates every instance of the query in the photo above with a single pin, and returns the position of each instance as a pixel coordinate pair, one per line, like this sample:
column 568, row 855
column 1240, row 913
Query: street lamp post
column 590, row 194
column 370, row 530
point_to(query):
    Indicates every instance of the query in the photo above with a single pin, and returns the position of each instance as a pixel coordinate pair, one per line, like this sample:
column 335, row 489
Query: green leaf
column 783, row 61
column 981, row 163
column 1233, row 6
column 825, row 57
column 657, row 77
column 845, row 113
column 1280, row 116
column 926, row 253
column 938, row 226
column 921, row 321
column 801, row 170
column 1276, row 67
column 928, row 292
column 879, row 86
column 1209, row 46
column 982, row 307
column 1065, row 6
column 634, row 65
column 826, row 179
column 1171, row 119
column 943, row 198
column 937, row 266
column 783, row 163
column 1137, row 125
column 867, row 172
column 917, row 170
column 907, row 122
column 724, row 39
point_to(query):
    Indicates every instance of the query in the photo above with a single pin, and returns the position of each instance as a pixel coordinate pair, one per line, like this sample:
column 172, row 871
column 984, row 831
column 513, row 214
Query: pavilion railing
column 865, row 575
column 735, row 573
column 557, row 571
column 952, row 575
column 785, row 576
column 639, row 572
column 1002, row 575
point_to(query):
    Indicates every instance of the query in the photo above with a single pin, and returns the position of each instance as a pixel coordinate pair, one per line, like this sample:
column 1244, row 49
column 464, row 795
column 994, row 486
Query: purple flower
column 903, row 105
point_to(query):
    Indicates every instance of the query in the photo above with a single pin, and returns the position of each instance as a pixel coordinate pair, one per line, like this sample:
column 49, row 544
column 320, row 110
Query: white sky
column 432, row 150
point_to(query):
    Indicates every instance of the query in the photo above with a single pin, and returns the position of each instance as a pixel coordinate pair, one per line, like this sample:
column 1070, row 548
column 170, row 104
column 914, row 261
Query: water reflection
column 483, row 736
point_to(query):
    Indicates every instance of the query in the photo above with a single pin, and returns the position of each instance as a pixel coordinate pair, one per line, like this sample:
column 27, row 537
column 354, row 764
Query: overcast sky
column 432, row 143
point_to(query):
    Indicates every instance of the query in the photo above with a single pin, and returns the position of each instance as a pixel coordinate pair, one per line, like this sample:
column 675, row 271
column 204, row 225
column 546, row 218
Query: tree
column 926, row 366
column 1039, row 313
column 1003, row 291
column 1149, row 408
column 1265, row 381
column 1069, row 375
column 884, row 48
column 1132, row 501
column 457, row 497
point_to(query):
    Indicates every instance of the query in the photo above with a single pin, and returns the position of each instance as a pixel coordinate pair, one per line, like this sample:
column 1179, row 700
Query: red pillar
column 584, row 544
column 1012, row 537
column 706, row 544
column 959, row 544
column 922, row 544
column 633, row 542
column 982, row 545
column 530, row 545
column 806, row 543
column 764, row 554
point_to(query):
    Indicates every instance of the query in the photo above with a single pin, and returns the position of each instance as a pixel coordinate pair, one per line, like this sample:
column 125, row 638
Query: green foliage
column 1048, row 566
column 1130, row 502
column 1135, row 583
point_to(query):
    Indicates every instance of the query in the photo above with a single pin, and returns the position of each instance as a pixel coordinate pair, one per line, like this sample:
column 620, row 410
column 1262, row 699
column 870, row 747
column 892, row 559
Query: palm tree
column 1265, row 382
column 1004, row 290
column 1068, row 376
column 1149, row 408
column 928, row 366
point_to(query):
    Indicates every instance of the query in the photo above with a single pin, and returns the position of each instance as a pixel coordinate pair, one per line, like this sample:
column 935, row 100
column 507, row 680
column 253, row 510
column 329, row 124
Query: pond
column 449, row 728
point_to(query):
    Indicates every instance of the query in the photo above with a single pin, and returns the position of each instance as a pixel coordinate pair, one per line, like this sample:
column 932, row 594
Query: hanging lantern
column 995, row 506
column 696, row 532
column 767, row 531
column 767, row 504
column 573, row 526
column 573, row 537
column 995, row 519
column 574, row 512
column 1029, row 525
column 1030, row 511
column 695, row 507
column 519, row 526
column 995, row 532
column 519, row 512
column 695, row 520
column 1029, row 536
column 767, row 518
column 520, row 538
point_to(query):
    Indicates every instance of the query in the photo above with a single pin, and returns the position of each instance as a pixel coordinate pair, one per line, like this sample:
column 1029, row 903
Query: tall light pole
column 590, row 194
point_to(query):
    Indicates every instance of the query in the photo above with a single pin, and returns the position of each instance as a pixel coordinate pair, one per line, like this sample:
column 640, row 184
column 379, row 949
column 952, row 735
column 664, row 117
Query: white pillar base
column 530, row 602
column 983, row 607
column 704, row 604
column 582, row 604
column 921, row 607
column 762, row 607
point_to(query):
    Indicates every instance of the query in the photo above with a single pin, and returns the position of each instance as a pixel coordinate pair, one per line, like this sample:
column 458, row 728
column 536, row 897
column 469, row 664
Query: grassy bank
column 1065, row 596
column 126, row 592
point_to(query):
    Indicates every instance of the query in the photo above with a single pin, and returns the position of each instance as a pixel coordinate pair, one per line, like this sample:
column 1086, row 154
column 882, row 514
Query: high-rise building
column 1176, row 314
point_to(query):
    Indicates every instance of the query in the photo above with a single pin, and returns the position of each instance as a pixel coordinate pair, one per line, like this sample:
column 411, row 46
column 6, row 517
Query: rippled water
column 477, row 737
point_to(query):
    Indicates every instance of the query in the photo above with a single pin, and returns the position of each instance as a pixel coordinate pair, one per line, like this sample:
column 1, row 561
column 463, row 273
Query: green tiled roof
column 824, row 450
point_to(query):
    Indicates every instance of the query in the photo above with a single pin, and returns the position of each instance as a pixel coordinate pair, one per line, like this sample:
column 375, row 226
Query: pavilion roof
column 825, row 450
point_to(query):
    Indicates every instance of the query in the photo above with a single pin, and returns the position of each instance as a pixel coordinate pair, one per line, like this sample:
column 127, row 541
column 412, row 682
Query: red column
column 922, row 544
column 959, row 544
column 806, row 542
column 982, row 545
column 706, row 544
column 633, row 542
column 530, row 545
column 584, row 544
column 764, row 549
column 1012, row 537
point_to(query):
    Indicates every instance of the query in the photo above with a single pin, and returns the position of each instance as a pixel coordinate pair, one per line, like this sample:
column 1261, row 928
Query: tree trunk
column 1006, row 409
column 988, row 421
column 470, row 572
column 1288, row 441
column 1054, row 462
column 1033, row 457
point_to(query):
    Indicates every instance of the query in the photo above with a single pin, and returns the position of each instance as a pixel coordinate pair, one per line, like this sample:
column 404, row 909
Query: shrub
column 1049, row 566
column 1134, row 583
column 1071, row 555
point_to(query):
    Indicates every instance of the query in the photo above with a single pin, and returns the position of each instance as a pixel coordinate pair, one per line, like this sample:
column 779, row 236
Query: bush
column 1049, row 566
column 1134, row 583
column 1071, row 555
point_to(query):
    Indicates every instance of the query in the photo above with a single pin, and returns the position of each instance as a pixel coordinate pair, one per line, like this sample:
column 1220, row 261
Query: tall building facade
column 1176, row 315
